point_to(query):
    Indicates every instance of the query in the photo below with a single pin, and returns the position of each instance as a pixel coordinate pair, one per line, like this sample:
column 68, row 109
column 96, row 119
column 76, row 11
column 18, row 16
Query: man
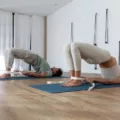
column 41, row 67
column 75, row 52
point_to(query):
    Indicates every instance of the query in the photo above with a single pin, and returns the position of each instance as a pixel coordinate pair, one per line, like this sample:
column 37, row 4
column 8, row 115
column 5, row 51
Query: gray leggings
column 25, row 55
column 91, row 54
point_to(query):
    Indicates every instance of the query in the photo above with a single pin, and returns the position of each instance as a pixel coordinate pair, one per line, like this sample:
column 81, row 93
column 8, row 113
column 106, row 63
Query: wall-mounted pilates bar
column 95, row 30
column 95, row 34
column 119, row 54
column 106, row 28
column 13, row 23
column 72, row 37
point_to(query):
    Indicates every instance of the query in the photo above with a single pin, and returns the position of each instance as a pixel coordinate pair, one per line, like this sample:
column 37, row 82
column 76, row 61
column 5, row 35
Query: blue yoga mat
column 56, row 88
column 28, row 78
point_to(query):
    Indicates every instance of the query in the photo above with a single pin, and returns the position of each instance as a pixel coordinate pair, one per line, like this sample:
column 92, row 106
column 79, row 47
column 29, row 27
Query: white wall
column 81, row 13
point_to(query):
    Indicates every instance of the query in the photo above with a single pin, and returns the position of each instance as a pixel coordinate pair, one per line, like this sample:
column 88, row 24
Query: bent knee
column 11, row 51
column 67, row 47
column 74, row 46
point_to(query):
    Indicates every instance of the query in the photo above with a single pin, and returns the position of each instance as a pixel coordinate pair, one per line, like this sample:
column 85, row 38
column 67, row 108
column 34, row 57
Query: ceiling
column 38, row 7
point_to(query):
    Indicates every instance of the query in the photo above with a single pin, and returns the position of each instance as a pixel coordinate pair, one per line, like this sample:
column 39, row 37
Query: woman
column 75, row 52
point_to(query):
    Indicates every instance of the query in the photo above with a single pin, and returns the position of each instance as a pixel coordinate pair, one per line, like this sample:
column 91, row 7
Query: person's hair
column 58, row 73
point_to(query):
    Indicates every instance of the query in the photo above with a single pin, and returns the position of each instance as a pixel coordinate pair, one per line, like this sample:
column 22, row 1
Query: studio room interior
column 59, row 60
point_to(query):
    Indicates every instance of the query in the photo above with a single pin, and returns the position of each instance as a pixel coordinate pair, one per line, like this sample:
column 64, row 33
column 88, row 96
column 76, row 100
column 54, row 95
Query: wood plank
column 18, row 101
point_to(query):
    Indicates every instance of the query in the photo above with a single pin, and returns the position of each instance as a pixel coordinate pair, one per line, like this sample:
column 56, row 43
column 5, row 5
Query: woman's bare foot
column 5, row 75
column 72, row 83
column 66, row 82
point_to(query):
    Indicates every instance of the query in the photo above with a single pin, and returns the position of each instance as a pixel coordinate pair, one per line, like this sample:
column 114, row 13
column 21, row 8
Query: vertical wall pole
column 30, row 37
column 45, row 37
column 13, row 25
column 95, row 30
column 106, row 28
column 95, row 34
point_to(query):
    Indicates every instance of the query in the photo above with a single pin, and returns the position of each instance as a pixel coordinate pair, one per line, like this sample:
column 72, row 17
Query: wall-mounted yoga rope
column 95, row 34
column 106, row 28
column 72, row 37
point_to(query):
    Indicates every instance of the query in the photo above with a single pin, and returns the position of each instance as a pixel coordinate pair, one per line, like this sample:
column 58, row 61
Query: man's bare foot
column 72, row 83
column 5, row 75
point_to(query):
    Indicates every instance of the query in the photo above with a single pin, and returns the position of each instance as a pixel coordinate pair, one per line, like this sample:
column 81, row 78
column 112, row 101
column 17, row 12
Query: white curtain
column 26, row 28
column 5, row 35
column 22, row 38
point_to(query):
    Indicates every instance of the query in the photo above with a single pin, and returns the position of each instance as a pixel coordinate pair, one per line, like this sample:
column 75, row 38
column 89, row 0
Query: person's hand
column 43, row 74
column 25, row 73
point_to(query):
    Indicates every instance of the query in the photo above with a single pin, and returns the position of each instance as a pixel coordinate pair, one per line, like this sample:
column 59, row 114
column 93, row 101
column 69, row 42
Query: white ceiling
column 39, row 7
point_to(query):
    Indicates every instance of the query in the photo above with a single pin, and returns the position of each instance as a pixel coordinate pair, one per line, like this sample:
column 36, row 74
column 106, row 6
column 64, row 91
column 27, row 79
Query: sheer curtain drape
column 5, row 35
column 22, row 38
column 27, row 30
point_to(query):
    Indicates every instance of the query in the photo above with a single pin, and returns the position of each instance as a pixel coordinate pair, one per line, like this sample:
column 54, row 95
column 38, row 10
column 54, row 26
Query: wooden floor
column 20, row 102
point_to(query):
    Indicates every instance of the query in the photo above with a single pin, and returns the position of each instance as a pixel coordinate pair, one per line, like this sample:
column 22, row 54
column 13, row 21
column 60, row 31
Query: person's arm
column 103, row 81
column 33, row 74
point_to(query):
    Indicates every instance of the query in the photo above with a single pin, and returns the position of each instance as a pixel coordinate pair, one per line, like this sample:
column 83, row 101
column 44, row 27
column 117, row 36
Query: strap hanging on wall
column 95, row 34
column 13, row 24
column 119, row 54
column 72, row 37
column 30, row 37
column 95, row 30
column 106, row 28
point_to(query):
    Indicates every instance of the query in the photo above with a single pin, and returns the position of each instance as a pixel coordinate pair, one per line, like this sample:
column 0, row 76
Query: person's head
column 56, row 71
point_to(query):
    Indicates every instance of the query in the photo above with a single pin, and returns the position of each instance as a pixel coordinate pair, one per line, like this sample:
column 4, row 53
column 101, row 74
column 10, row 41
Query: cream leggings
column 75, row 52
